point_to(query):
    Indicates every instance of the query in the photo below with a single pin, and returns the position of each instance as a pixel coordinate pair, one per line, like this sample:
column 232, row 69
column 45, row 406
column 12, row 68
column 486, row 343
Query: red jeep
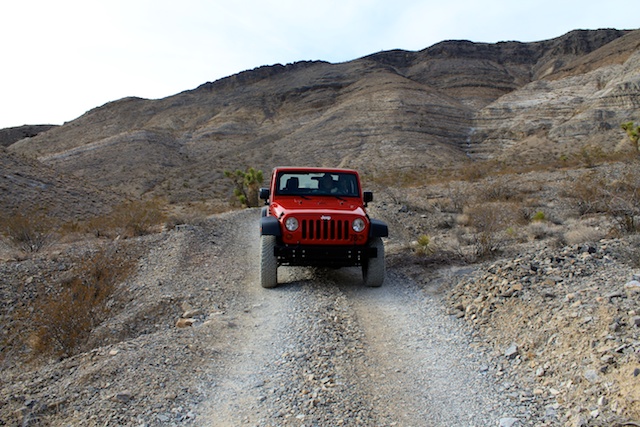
column 317, row 217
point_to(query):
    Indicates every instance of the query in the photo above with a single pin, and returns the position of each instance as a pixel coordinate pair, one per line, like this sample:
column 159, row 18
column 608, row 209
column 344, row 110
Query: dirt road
column 321, row 349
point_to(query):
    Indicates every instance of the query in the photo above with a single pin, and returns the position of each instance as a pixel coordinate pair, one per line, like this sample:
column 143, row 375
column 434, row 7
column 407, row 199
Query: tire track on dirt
column 421, row 368
column 251, row 373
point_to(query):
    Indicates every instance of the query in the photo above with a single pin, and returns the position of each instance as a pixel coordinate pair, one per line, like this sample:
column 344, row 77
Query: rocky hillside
column 395, row 110
column 30, row 187
column 10, row 135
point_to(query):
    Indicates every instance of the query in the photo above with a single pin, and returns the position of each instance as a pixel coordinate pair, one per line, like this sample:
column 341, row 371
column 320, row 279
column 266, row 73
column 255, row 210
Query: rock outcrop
column 10, row 135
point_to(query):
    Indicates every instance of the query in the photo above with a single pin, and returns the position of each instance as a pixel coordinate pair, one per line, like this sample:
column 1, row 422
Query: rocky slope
column 425, row 109
column 581, row 104
column 30, row 187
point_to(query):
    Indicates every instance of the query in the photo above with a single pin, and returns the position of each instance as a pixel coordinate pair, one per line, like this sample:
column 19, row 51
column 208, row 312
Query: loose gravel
column 200, row 343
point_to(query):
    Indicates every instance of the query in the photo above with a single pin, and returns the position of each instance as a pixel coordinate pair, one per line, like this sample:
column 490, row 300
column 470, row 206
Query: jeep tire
column 268, row 262
column 373, row 270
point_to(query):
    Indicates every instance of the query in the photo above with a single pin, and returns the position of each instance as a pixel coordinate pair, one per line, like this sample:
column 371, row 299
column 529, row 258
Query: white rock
column 509, row 422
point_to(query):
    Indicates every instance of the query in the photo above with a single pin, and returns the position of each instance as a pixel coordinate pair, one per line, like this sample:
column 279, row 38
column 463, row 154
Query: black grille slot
column 319, row 229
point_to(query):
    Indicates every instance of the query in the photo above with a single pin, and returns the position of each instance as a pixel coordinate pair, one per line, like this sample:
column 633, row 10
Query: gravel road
column 318, row 350
column 321, row 350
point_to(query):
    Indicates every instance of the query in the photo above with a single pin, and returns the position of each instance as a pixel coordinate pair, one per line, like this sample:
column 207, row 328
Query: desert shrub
column 539, row 216
column 195, row 213
column 444, row 250
column 623, row 201
column 457, row 197
column 586, row 194
column 539, row 230
column 582, row 234
column 424, row 245
column 130, row 219
column 498, row 190
column 64, row 318
column 618, row 198
column 489, row 222
column 633, row 132
column 476, row 171
column 28, row 233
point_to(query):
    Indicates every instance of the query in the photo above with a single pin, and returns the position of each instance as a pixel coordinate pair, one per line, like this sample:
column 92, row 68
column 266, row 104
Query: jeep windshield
column 317, row 184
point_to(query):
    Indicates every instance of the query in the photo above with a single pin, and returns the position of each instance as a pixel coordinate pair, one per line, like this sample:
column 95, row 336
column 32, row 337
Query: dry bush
column 618, row 198
column 498, row 190
column 540, row 230
column 455, row 197
column 130, row 219
column 586, row 194
column 622, row 199
column 475, row 171
column 64, row 318
column 490, row 222
column 193, row 213
column 28, row 233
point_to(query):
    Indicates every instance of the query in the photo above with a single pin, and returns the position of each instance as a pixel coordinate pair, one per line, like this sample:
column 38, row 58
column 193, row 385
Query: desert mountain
column 450, row 103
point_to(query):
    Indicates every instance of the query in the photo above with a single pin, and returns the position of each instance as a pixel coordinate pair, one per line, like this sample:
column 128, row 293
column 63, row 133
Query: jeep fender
column 378, row 229
column 269, row 226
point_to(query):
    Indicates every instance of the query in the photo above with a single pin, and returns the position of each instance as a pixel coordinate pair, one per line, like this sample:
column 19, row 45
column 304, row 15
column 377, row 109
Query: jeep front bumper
column 323, row 255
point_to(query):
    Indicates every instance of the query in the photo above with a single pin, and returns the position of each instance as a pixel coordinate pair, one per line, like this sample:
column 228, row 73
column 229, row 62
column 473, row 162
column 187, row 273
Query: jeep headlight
column 291, row 224
column 358, row 225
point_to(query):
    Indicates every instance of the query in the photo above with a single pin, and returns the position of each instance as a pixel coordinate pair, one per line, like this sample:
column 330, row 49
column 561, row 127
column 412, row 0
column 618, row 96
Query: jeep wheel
column 373, row 270
column 268, row 262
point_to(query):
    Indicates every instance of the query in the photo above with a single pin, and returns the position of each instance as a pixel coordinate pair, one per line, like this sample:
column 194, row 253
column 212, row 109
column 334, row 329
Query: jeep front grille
column 318, row 229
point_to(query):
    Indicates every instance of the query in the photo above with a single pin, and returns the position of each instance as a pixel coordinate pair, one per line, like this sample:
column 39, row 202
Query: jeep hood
column 318, row 205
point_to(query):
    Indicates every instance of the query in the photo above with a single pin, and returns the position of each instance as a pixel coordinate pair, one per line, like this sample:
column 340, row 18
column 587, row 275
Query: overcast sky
column 61, row 58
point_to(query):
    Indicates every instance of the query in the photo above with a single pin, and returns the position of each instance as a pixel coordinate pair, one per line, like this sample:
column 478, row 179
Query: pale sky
column 61, row 58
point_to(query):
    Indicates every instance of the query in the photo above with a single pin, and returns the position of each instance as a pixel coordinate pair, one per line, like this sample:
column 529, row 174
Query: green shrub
column 633, row 132
column 538, row 217
column 424, row 245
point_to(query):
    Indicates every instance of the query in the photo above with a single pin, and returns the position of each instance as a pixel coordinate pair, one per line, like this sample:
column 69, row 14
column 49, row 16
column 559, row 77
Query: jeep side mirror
column 264, row 194
column 368, row 197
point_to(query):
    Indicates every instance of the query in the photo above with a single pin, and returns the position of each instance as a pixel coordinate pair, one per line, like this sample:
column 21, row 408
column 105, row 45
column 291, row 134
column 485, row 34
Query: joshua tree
column 633, row 132
column 246, row 185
